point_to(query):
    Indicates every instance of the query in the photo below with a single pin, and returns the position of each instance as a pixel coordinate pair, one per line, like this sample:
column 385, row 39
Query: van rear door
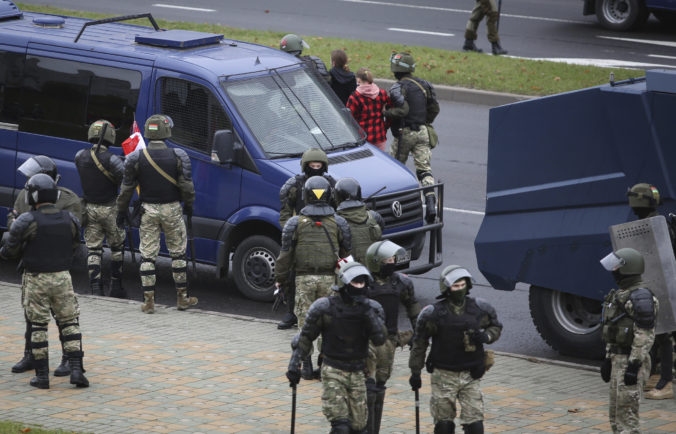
column 64, row 91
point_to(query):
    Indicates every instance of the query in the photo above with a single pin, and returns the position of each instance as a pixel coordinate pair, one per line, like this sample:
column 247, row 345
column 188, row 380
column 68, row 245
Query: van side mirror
column 224, row 150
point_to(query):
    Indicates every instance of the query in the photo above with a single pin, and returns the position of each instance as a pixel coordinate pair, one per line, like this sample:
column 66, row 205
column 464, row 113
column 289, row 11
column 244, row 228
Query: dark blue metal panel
column 9, row 10
column 179, row 39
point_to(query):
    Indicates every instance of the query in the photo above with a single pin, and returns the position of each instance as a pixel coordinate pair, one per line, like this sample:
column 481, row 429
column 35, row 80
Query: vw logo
column 396, row 208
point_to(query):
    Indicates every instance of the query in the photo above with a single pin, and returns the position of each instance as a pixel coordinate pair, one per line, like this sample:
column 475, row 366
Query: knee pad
column 422, row 174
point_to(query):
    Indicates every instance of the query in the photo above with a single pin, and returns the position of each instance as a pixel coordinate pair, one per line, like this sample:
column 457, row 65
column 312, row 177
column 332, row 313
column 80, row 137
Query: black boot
column 431, row 204
column 289, row 320
column 444, row 427
column 25, row 364
column 63, row 369
column 497, row 49
column 379, row 404
column 306, row 372
column 470, row 46
column 340, row 426
column 116, row 289
column 371, row 392
column 41, row 379
column 474, row 428
column 76, row 373
column 97, row 288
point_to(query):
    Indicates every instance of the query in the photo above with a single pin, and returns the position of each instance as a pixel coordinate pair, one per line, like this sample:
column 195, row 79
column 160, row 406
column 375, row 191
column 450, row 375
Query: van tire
column 253, row 267
column 568, row 323
column 621, row 15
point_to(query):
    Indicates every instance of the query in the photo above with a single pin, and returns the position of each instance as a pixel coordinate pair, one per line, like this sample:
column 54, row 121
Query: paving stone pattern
column 199, row 371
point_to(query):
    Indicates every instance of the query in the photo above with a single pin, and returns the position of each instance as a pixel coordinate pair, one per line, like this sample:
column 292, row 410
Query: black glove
column 120, row 219
column 415, row 381
column 293, row 376
column 606, row 367
column 478, row 371
column 631, row 374
column 187, row 210
column 479, row 337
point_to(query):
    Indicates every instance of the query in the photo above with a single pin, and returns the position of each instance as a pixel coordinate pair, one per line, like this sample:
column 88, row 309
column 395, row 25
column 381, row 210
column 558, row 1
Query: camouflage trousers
column 449, row 387
column 167, row 218
column 624, row 400
column 380, row 359
column 51, row 291
column 344, row 396
column 416, row 143
column 310, row 287
column 488, row 9
column 101, row 224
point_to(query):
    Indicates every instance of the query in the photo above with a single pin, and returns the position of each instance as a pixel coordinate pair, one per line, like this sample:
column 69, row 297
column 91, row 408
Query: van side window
column 196, row 113
column 62, row 97
column 11, row 69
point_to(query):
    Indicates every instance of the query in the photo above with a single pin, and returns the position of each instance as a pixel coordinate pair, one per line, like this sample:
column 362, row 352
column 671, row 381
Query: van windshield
column 291, row 111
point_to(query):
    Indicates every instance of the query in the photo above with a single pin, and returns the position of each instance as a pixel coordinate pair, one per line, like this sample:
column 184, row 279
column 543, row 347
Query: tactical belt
column 620, row 350
column 345, row 365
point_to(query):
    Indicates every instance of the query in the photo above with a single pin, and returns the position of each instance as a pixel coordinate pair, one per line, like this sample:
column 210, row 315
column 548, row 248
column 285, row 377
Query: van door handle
column 10, row 127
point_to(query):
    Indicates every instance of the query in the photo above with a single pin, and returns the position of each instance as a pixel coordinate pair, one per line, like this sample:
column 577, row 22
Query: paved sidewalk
column 199, row 371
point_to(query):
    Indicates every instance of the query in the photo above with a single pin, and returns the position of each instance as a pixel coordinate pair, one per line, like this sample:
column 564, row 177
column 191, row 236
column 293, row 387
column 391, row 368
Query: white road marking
column 605, row 63
column 661, row 56
column 424, row 32
column 185, row 8
column 462, row 11
column 641, row 41
column 464, row 211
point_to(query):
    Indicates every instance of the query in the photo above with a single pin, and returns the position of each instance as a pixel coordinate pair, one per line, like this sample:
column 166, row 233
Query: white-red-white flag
column 134, row 142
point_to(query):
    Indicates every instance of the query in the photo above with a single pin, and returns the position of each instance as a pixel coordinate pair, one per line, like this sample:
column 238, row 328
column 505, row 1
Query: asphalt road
column 460, row 162
column 552, row 29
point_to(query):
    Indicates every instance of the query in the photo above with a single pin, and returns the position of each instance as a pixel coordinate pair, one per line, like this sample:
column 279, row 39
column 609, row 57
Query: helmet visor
column 455, row 275
column 612, row 262
column 387, row 249
column 354, row 271
column 30, row 167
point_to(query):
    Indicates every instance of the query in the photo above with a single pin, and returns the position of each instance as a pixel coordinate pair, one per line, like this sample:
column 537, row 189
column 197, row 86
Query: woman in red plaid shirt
column 367, row 104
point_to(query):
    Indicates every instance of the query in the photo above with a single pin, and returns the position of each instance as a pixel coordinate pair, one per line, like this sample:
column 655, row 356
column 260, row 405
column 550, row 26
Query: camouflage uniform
column 100, row 191
column 347, row 324
column 488, row 9
column 366, row 226
column 161, row 211
column 47, row 285
column 629, row 332
column 458, row 328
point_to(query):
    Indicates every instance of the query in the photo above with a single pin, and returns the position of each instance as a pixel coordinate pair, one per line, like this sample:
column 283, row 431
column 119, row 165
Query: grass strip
column 448, row 67
column 7, row 427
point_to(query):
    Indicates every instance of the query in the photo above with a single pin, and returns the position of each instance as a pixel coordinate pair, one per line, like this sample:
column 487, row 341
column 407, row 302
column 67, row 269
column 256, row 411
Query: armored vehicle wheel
column 568, row 323
column 253, row 267
column 621, row 14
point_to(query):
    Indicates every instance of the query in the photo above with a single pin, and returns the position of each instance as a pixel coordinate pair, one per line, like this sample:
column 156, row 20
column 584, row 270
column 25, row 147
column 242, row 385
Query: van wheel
column 253, row 266
column 568, row 323
column 621, row 14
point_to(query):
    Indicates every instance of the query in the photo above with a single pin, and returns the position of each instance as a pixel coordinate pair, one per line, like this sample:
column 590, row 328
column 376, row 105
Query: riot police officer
column 46, row 239
column 643, row 200
column 67, row 200
column 459, row 326
column 314, row 162
column 101, row 173
column 488, row 9
column 629, row 314
column 294, row 44
column 414, row 107
column 312, row 244
column 389, row 289
column 165, row 179
column 346, row 321
column 366, row 226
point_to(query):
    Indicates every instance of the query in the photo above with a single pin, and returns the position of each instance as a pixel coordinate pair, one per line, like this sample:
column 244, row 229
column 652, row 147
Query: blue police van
column 59, row 74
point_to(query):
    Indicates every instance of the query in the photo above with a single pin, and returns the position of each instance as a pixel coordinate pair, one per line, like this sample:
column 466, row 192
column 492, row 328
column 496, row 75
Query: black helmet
column 39, row 164
column 41, row 188
column 348, row 191
column 317, row 189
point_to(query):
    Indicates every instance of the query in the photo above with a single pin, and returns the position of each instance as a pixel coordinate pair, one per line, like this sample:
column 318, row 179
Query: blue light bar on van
column 179, row 39
column 9, row 10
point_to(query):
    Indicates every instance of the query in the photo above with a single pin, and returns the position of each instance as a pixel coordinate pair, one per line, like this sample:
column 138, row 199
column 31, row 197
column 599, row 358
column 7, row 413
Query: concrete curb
column 461, row 94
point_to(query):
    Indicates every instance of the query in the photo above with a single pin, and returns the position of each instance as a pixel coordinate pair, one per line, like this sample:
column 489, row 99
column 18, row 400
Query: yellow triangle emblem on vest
column 318, row 192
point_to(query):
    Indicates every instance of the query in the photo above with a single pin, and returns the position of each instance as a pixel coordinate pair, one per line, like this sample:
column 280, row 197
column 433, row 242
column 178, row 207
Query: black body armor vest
column 346, row 337
column 448, row 347
column 51, row 249
column 388, row 295
column 417, row 104
column 155, row 188
column 96, row 186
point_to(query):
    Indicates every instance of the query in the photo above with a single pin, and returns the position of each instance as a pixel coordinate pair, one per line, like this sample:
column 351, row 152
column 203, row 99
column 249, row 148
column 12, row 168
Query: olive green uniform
column 488, row 9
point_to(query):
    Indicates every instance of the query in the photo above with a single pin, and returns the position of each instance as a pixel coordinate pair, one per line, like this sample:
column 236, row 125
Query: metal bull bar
column 435, row 241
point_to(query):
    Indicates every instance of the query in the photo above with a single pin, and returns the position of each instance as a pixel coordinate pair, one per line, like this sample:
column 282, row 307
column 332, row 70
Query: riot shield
column 651, row 237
